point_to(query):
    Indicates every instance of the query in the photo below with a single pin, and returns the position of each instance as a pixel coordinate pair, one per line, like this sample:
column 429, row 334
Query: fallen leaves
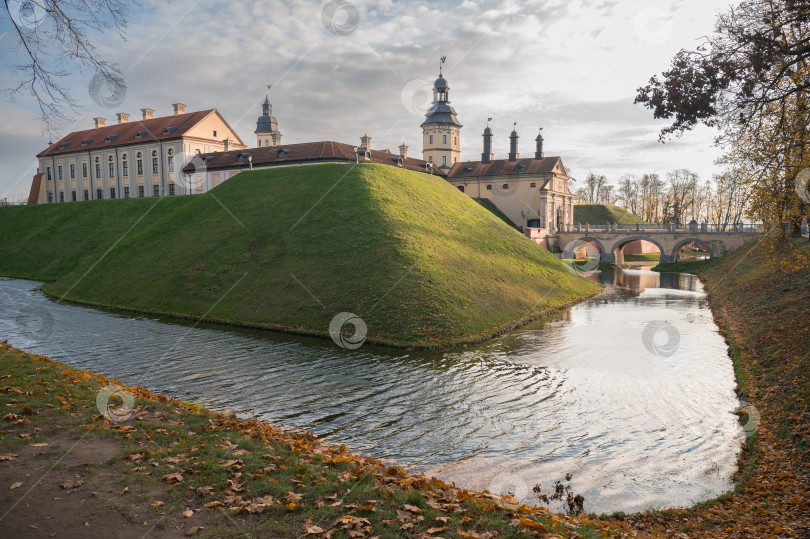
column 8, row 456
column 16, row 484
column 173, row 478
column 76, row 483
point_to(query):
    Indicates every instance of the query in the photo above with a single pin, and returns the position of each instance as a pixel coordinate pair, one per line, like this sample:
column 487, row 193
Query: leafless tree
column 53, row 35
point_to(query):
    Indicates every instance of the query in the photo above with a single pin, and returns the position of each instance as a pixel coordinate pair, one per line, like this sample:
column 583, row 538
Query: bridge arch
column 681, row 243
column 618, row 255
column 584, row 240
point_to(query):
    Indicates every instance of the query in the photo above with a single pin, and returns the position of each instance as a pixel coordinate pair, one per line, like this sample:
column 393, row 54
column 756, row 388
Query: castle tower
column 538, row 154
column 440, row 130
column 267, row 133
column 513, row 145
column 487, row 156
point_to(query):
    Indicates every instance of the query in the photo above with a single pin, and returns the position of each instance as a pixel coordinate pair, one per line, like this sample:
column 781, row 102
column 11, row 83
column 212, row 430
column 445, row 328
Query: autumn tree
column 52, row 37
column 749, row 79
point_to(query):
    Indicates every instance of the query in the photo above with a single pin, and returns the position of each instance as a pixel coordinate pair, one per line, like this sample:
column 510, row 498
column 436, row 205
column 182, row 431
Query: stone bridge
column 669, row 238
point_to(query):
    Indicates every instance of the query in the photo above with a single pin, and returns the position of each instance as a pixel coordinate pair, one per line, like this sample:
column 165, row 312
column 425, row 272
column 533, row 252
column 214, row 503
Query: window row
column 111, row 166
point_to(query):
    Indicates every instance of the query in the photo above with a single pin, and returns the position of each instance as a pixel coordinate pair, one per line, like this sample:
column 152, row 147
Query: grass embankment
column 289, row 248
column 764, row 313
column 489, row 205
column 596, row 214
column 171, row 468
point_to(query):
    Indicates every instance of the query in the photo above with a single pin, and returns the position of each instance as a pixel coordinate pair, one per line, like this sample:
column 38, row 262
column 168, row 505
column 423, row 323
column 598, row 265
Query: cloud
column 570, row 66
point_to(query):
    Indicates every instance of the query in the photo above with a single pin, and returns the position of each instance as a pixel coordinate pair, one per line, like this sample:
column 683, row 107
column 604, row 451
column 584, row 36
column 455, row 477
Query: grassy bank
column 764, row 313
column 603, row 213
column 162, row 468
column 289, row 248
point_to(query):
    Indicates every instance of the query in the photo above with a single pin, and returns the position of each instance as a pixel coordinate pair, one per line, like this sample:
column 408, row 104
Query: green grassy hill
column 603, row 213
column 489, row 205
column 289, row 248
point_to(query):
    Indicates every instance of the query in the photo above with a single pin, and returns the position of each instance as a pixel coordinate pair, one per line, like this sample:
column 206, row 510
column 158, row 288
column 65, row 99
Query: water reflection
column 575, row 393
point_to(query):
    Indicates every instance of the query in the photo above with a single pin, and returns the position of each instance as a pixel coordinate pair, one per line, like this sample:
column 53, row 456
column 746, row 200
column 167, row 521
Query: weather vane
column 515, row 125
column 489, row 119
column 443, row 60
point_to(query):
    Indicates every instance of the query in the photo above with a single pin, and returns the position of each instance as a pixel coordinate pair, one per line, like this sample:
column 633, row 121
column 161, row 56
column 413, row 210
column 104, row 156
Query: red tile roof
column 501, row 167
column 298, row 153
column 151, row 130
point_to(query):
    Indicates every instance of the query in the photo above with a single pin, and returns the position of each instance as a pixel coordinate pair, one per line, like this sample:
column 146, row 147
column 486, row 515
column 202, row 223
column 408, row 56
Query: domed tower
column 267, row 133
column 440, row 130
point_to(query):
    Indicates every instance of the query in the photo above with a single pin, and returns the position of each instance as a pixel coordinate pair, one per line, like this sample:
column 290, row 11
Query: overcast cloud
column 569, row 66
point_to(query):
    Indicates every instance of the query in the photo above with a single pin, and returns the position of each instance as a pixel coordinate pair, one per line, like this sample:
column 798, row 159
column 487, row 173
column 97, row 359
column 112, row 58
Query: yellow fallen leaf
column 188, row 513
column 18, row 484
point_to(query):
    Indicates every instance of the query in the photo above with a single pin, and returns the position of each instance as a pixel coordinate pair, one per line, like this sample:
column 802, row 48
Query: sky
column 340, row 69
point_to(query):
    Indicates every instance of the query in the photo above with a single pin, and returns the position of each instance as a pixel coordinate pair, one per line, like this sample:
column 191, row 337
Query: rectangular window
column 112, row 170
column 489, row 188
column 112, row 192
column 140, row 167
column 73, row 196
column 99, row 194
column 444, row 160
column 532, row 184
column 506, row 186
column 72, row 171
column 50, row 197
column 61, row 196
column 430, row 159
column 444, row 139
column 125, row 168
column 60, row 172
column 431, row 139
column 84, row 170
column 86, row 195
column 171, row 162
column 156, row 190
column 140, row 191
column 171, row 188
column 98, row 170
column 49, row 173
column 126, row 192
column 154, row 165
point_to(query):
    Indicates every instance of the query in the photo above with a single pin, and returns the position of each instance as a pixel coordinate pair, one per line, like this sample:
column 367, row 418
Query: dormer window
column 110, row 138
column 169, row 130
column 64, row 144
column 142, row 133
column 86, row 141
column 282, row 154
column 242, row 156
column 467, row 171
column 520, row 167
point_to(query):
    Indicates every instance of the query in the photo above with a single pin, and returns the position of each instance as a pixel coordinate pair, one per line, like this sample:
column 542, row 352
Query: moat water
column 632, row 393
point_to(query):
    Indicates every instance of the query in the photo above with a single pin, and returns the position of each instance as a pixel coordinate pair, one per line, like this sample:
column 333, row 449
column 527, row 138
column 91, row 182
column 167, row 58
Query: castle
column 191, row 153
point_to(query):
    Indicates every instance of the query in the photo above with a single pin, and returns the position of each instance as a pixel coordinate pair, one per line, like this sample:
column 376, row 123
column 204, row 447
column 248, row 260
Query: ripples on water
column 579, row 393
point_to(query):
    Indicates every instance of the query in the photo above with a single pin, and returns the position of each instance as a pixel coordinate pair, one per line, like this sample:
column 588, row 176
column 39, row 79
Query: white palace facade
column 190, row 153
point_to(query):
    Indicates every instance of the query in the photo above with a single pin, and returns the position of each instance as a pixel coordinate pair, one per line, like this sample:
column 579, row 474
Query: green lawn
column 597, row 214
column 488, row 204
column 289, row 248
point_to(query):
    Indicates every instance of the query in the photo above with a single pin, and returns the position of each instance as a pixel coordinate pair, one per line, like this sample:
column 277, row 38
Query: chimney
column 147, row 113
column 487, row 156
column 403, row 150
column 100, row 122
column 538, row 154
column 123, row 117
column 227, row 143
column 513, row 145
column 365, row 142
column 179, row 109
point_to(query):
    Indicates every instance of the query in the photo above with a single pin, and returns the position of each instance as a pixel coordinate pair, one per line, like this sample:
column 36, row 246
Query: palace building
column 532, row 192
column 142, row 158
column 191, row 153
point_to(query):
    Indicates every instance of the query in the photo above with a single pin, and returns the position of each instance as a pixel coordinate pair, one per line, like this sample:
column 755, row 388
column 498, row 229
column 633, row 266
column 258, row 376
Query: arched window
column 154, row 153
column 171, row 160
